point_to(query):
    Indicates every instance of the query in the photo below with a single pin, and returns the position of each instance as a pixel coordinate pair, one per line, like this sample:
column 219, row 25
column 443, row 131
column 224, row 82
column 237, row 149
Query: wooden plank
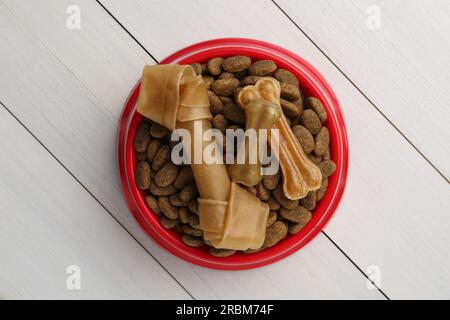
column 395, row 209
column 49, row 222
column 68, row 88
column 402, row 67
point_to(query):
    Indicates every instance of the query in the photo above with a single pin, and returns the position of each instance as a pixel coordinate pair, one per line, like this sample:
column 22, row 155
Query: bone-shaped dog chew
column 231, row 217
column 300, row 175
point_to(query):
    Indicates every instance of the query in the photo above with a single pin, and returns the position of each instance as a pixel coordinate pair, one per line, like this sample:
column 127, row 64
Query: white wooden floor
column 61, row 94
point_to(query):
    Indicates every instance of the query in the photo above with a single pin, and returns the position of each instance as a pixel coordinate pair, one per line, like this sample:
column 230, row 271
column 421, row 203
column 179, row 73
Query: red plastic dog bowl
column 312, row 84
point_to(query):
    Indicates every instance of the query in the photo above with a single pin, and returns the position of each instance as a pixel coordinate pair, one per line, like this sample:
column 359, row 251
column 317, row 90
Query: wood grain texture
column 68, row 88
column 402, row 67
column 48, row 223
column 394, row 213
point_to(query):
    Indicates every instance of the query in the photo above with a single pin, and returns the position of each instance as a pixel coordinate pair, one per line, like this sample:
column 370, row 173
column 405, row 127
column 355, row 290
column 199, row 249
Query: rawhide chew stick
column 231, row 217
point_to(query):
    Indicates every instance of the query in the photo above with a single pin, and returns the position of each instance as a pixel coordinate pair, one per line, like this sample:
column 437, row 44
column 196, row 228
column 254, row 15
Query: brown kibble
column 271, row 219
column 236, row 63
column 249, row 80
column 185, row 176
column 158, row 191
column 315, row 159
column 153, row 148
column 204, row 68
column 262, row 192
column 262, row 68
column 221, row 253
column 305, row 138
column 167, row 209
column 152, row 203
column 158, row 131
column 219, row 122
column 215, row 66
column 241, row 74
column 295, row 215
column 166, row 175
column 194, row 221
column 318, row 108
column 226, row 100
column 142, row 175
column 273, row 204
column 285, row 76
column 226, row 75
column 192, row 241
column 322, row 142
column 275, row 233
column 183, row 214
column 208, row 80
column 327, row 168
column 193, row 206
column 250, row 251
column 215, row 104
column 233, row 113
column 187, row 229
column 290, row 109
column 197, row 68
column 188, row 192
column 310, row 120
column 161, row 157
column 295, row 228
column 289, row 92
column 142, row 137
column 225, row 87
column 168, row 223
column 309, row 202
column 176, row 201
column 322, row 190
column 281, row 198
column 270, row 182
column 141, row 156
column 327, row 155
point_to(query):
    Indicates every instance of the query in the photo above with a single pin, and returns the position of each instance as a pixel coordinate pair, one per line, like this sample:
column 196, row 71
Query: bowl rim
column 226, row 47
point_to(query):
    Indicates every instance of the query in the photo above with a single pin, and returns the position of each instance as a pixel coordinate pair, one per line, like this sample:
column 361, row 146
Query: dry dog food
column 171, row 192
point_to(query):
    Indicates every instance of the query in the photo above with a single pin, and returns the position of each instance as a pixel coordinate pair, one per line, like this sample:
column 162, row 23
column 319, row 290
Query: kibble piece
column 327, row 155
column 241, row 74
column 221, row 253
column 315, row 159
column 176, row 201
column 141, row 156
column 327, row 168
column 194, row 221
column 192, row 241
column 309, row 202
column 215, row 104
column 281, row 198
column 219, row 122
column 322, row 190
column 322, row 142
column 249, row 80
column 142, row 175
column 310, row 120
column 153, row 148
column 262, row 68
column 158, row 131
column 262, row 192
column 305, row 138
column 226, row 75
column 183, row 214
column 273, row 204
column 187, row 229
column 193, row 206
column 285, row 76
column 204, row 68
column 275, row 233
column 290, row 109
column 225, row 87
column 188, row 193
column 167, row 209
column 161, row 157
column 271, row 219
column 208, row 80
column 185, row 176
column 295, row 215
column 270, row 182
column 215, row 66
column 295, row 228
column 197, row 68
column 289, row 92
column 226, row 100
column 236, row 63
column 250, row 251
column 165, row 191
column 142, row 137
column 318, row 108
column 168, row 223
column 166, row 175
column 234, row 113
column 152, row 203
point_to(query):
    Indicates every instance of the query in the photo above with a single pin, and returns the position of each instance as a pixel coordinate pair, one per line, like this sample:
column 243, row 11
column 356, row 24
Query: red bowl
column 312, row 84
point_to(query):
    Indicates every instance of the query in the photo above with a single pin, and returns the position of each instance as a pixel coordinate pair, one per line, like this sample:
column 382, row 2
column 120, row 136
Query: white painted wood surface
column 403, row 67
column 68, row 87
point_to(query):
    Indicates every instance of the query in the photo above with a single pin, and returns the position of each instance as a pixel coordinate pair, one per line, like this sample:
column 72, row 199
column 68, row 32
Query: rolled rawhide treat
column 231, row 217
column 300, row 174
